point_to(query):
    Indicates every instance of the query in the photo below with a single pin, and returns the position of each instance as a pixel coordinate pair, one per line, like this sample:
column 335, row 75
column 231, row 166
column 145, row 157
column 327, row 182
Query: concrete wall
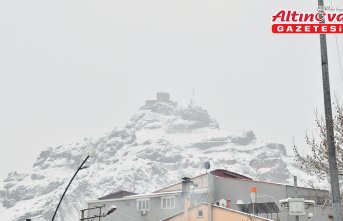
column 234, row 189
column 201, row 182
column 127, row 209
column 198, row 197
column 319, row 196
column 162, row 97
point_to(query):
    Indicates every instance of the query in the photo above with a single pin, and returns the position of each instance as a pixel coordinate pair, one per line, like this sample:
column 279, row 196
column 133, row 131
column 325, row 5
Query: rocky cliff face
column 160, row 143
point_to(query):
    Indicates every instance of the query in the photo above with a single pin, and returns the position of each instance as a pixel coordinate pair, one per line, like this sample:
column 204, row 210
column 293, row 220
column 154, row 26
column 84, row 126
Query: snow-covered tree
column 316, row 162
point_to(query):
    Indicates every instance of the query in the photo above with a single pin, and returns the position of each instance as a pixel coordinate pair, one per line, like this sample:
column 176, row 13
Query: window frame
column 172, row 202
column 202, row 213
column 145, row 202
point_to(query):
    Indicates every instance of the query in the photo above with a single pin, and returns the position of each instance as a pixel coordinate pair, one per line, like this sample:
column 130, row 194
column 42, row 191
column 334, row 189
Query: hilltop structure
column 161, row 97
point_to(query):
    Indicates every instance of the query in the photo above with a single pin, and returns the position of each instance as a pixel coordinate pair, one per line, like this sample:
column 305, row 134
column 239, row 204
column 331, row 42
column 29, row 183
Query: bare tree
column 316, row 162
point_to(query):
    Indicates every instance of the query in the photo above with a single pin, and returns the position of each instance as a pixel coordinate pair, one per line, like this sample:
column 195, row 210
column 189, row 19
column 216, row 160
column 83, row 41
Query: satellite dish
column 222, row 203
column 240, row 202
column 207, row 165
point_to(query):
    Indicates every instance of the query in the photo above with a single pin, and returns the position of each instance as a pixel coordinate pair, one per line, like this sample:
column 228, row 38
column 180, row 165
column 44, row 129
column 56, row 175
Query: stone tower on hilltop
column 161, row 97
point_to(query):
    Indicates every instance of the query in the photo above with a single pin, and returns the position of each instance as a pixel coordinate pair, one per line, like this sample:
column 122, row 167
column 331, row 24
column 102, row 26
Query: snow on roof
column 229, row 174
column 124, row 195
column 116, row 195
column 137, row 196
column 217, row 172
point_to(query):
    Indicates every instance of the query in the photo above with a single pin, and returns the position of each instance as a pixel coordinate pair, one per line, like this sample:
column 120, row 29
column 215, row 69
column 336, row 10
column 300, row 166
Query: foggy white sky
column 72, row 69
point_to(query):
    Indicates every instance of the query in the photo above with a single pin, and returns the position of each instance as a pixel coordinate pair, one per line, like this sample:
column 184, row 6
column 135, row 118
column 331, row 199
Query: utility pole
column 207, row 166
column 330, row 138
column 209, row 196
column 296, row 192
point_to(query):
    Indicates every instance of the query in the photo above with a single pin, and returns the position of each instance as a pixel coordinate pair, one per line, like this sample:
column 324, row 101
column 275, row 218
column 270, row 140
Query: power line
column 339, row 57
column 339, row 54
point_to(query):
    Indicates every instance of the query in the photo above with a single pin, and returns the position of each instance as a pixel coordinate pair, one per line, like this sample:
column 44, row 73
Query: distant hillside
column 159, row 144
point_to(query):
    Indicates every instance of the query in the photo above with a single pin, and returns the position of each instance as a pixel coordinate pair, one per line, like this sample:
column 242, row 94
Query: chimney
column 186, row 183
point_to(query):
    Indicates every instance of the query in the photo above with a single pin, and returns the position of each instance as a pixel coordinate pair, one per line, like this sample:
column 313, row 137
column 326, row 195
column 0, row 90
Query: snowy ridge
column 158, row 145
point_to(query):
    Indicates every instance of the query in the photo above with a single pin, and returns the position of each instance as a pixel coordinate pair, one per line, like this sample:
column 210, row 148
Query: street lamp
column 110, row 210
column 81, row 167
column 100, row 215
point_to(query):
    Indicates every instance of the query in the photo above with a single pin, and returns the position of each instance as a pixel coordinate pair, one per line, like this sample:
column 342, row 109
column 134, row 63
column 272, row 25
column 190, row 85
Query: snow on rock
column 156, row 147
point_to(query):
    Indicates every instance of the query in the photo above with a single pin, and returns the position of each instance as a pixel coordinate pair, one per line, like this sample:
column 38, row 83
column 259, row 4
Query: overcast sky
column 73, row 69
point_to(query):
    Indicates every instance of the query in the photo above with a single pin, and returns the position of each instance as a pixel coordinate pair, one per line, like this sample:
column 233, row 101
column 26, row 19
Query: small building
column 150, row 102
column 218, row 186
column 200, row 213
column 161, row 97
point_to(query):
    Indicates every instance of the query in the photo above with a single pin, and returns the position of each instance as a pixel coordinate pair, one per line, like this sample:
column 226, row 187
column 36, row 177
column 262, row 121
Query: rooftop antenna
column 193, row 101
column 207, row 165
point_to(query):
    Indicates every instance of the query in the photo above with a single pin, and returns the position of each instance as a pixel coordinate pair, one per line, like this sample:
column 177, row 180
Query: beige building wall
column 218, row 214
column 223, row 214
column 192, row 214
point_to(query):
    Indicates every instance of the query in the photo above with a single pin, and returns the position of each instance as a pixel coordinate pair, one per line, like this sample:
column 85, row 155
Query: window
column 168, row 202
column 143, row 204
column 128, row 203
column 200, row 213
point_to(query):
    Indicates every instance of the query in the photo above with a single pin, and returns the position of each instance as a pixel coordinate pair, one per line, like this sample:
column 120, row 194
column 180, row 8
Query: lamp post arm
column 58, row 205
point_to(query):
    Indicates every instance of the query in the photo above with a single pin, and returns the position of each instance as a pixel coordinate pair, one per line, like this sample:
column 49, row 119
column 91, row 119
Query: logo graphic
column 327, row 20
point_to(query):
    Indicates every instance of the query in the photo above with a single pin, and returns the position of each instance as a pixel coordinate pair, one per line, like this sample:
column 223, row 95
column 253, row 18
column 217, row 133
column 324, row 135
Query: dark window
column 200, row 213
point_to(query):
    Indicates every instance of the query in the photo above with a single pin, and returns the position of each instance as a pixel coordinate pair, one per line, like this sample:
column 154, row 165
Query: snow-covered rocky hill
column 160, row 144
